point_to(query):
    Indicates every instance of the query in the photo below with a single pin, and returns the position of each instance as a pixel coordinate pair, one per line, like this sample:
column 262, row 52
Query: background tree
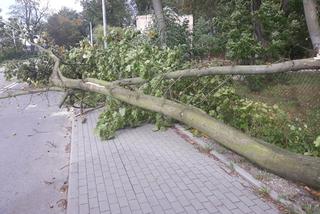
column 66, row 28
column 253, row 31
column 160, row 20
column 312, row 19
column 198, row 8
column 206, row 9
column 30, row 16
column 10, row 42
column 118, row 12
column 143, row 6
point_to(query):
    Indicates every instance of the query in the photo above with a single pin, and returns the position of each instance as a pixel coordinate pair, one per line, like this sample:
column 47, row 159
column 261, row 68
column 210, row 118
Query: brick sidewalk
column 141, row 171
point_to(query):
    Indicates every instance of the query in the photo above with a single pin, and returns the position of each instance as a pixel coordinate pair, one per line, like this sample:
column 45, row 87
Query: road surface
column 34, row 138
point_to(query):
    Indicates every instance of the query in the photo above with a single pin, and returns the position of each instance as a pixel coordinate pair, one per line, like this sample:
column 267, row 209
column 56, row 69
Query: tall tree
column 312, row 19
column 30, row 16
column 143, row 6
column 198, row 8
column 257, row 26
column 9, row 34
column 161, row 24
column 66, row 27
column 118, row 13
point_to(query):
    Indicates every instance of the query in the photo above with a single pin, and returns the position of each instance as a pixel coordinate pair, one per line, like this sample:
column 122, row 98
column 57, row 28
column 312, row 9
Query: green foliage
column 129, row 54
column 276, row 34
column 65, row 28
column 34, row 71
column 12, row 53
column 198, row 8
column 116, row 116
column 203, row 42
column 117, row 12
column 176, row 32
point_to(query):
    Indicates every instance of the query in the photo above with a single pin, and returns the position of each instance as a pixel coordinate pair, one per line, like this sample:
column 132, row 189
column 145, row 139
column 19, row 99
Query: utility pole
column 104, row 22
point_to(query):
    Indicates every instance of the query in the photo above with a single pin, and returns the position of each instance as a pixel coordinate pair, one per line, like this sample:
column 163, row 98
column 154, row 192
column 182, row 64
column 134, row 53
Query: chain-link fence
column 279, row 108
column 296, row 95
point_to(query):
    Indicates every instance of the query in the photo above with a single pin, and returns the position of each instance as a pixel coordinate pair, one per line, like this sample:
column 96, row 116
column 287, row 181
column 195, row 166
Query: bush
column 34, row 71
column 204, row 43
column 12, row 53
column 129, row 54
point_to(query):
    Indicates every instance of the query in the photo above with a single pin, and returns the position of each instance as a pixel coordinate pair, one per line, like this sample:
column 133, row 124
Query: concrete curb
column 243, row 173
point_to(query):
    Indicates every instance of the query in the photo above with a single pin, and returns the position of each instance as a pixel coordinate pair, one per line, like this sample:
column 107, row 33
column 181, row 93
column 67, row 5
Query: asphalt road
column 34, row 138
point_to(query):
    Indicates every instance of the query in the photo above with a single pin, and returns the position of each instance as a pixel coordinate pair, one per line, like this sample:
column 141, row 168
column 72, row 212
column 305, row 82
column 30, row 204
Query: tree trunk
column 257, row 26
column 311, row 14
column 285, row 7
column 296, row 167
column 161, row 25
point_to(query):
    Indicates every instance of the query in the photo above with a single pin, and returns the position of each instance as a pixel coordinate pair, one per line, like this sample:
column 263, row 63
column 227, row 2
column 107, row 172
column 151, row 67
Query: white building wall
column 144, row 22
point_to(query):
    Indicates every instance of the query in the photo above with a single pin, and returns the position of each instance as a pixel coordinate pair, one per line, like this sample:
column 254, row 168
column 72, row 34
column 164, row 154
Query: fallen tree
column 289, row 165
column 296, row 167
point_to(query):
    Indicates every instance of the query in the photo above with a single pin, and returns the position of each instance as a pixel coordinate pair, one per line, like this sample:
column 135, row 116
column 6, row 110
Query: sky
column 54, row 5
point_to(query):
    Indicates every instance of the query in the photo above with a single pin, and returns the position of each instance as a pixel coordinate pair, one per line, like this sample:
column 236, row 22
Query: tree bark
column 161, row 25
column 312, row 19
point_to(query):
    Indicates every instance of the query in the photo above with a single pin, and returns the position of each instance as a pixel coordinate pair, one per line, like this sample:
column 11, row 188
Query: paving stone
column 134, row 205
column 141, row 171
column 104, row 206
column 123, row 202
column 146, row 208
column 94, row 211
column 93, row 203
column 84, row 209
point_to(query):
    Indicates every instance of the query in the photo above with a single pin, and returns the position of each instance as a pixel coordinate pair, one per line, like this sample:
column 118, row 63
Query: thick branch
column 301, row 65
